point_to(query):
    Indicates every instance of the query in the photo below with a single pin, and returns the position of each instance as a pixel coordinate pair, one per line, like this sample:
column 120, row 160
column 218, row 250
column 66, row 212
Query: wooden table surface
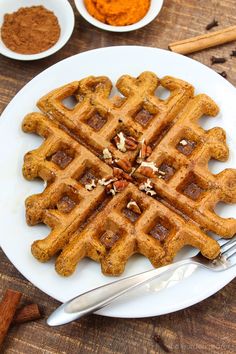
column 208, row 327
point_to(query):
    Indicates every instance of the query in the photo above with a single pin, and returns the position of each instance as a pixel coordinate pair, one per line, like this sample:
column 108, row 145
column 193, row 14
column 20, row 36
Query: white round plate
column 16, row 237
column 154, row 9
column 63, row 11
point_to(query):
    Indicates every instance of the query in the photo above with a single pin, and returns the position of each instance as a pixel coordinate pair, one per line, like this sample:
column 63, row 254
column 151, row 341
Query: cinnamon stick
column 8, row 307
column 27, row 313
column 204, row 41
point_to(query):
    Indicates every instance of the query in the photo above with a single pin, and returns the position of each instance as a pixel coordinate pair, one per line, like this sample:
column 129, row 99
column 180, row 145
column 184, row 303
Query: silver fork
column 102, row 296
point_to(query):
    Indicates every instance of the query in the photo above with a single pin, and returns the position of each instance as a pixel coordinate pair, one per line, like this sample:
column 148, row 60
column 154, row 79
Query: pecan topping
column 120, row 185
column 90, row 186
column 150, row 164
column 124, row 164
column 144, row 152
column 183, row 142
column 131, row 143
column 125, row 143
column 161, row 172
column 109, row 188
column 106, row 154
column 120, row 174
column 117, row 183
column 150, row 192
column 147, row 171
column 120, row 142
column 147, row 187
column 133, row 206
column 107, row 181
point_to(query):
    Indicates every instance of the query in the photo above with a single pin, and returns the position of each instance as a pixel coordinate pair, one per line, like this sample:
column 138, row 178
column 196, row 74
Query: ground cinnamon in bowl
column 30, row 30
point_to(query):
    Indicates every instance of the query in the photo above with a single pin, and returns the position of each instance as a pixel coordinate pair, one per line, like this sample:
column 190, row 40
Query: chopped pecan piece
column 131, row 143
column 144, row 152
column 107, row 181
column 107, row 154
column 124, row 164
column 120, row 185
column 120, row 142
column 133, row 206
column 109, row 187
column 120, row 174
column 125, row 143
column 90, row 186
column 147, row 171
column 147, row 187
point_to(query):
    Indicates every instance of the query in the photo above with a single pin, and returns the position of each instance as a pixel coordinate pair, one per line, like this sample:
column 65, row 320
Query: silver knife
column 95, row 299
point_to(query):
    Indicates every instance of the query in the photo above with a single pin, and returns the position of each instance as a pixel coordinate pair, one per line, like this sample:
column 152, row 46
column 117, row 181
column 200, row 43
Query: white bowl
column 153, row 11
column 61, row 8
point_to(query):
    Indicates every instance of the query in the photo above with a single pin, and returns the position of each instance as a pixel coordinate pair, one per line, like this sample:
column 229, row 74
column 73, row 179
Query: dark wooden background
column 208, row 327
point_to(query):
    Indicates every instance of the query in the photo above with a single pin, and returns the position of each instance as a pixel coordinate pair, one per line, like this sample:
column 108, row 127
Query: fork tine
column 231, row 256
column 227, row 245
column 223, row 241
column 230, row 252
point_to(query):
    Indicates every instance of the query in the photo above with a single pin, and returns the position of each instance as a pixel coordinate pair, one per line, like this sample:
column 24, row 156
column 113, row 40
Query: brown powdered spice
column 30, row 30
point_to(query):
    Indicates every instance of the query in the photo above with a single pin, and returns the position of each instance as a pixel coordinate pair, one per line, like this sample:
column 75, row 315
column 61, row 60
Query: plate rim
column 173, row 308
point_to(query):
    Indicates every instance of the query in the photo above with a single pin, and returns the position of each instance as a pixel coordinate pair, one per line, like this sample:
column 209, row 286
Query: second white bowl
column 153, row 11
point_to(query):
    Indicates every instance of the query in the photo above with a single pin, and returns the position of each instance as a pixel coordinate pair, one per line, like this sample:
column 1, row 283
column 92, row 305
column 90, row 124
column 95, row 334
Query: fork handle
column 100, row 297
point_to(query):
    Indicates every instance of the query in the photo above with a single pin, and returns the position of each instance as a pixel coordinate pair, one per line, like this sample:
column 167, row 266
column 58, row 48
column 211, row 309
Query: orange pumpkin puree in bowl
column 118, row 12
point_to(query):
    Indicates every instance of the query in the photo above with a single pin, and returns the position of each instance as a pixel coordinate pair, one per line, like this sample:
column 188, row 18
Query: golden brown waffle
column 96, row 119
column 85, row 219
